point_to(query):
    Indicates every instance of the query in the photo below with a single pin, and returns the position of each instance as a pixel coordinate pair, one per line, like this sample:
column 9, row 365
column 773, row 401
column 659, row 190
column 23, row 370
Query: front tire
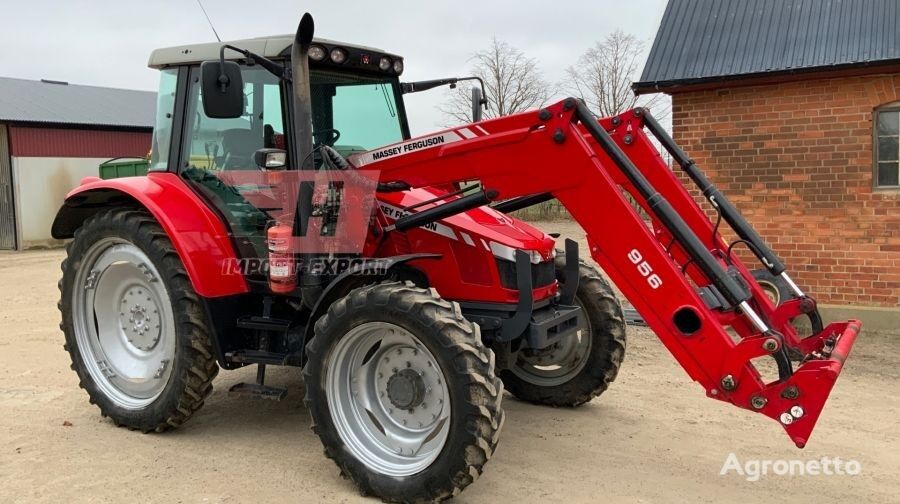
column 134, row 329
column 573, row 371
column 402, row 393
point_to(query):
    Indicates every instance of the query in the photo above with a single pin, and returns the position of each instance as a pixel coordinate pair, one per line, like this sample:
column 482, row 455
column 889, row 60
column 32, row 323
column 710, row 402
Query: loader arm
column 671, row 264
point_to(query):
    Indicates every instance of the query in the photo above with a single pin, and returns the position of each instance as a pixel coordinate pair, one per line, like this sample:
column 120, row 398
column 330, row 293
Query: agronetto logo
column 755, row 469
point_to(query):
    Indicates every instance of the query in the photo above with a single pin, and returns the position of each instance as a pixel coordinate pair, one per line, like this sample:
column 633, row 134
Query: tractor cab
column 356, row 106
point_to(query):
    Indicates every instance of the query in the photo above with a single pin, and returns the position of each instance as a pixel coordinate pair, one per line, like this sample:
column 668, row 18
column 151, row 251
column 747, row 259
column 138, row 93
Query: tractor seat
column 238, row 146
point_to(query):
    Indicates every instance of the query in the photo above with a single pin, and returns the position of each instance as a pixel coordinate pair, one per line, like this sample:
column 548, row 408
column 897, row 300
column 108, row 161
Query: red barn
column 52, row 134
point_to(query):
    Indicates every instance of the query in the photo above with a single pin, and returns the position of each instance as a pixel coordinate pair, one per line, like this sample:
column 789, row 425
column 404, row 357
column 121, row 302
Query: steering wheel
column 332, row 135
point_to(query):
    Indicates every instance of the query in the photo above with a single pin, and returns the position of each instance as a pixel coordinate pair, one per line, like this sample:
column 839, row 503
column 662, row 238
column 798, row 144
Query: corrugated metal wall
column 7, row 205
column 77, row 143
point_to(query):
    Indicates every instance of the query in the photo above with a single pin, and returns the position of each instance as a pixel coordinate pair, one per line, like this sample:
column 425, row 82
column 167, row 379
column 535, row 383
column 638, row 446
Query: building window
column 887, row 147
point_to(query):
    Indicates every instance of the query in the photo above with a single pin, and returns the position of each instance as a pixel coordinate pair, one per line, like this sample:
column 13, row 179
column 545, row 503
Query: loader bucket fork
column 657, row 245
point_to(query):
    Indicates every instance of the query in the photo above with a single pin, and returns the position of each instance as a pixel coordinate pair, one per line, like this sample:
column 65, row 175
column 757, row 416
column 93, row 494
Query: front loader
column 290, row 219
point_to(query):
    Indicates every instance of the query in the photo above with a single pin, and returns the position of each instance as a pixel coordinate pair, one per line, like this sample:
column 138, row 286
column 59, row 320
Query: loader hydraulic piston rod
column 663, row 210
column 514, row 204
column 718, row 200
column 439, row 212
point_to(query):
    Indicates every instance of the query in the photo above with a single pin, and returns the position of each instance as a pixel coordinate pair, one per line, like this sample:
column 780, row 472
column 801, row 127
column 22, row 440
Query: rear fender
column 197, row 233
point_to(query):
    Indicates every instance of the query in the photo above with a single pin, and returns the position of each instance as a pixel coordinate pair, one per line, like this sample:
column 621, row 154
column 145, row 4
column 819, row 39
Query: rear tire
column 581, row 367
column 134, row 328
column 380, row 357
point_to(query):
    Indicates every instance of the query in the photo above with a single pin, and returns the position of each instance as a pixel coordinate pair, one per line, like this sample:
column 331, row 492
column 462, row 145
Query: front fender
column 378, row 267
column 197, row 233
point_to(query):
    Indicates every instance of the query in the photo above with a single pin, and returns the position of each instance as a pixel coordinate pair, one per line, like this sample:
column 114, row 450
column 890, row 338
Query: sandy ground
column 653, row 437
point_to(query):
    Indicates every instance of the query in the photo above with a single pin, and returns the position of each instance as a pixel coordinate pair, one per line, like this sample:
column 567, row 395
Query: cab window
column 165, row 108
column 354, row 112
column 229, row 144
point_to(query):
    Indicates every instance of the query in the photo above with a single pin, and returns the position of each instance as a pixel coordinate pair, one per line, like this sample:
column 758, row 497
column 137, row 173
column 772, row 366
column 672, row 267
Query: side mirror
column 477, row 103
column 223, row 89
column 270, row 159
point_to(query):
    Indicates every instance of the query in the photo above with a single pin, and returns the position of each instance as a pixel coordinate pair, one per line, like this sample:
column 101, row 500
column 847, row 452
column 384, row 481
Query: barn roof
column 30, row 101
column 703, row 41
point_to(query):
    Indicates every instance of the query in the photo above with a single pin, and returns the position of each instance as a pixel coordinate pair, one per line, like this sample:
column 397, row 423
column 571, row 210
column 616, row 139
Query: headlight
column 338, row 55
column 316, row 53
column 384, row 63
column 398, row 66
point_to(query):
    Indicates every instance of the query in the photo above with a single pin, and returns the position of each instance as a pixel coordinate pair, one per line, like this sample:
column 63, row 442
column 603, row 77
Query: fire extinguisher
column 282, row 274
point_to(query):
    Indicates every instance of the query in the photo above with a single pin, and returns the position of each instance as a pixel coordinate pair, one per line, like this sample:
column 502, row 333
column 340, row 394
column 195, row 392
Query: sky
column 107, row 43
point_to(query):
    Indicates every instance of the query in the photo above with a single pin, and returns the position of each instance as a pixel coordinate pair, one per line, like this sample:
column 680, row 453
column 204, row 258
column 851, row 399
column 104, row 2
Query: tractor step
column 259, row 389
column 259, row 357
column 263, row 323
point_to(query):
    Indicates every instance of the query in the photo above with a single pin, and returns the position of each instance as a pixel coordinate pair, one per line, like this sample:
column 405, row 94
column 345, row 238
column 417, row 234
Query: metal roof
column 707, row 40
column 56, row 102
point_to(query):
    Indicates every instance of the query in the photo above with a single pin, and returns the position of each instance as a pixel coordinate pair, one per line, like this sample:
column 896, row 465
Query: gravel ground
column 653, row 437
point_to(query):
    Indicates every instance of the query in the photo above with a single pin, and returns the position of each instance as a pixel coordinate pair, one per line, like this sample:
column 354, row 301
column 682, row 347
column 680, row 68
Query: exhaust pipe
column 303, row 135
column 302, row 109
column 310, row 285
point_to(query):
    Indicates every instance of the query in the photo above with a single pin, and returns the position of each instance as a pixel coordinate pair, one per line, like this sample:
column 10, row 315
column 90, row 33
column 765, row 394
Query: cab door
column 217, row 155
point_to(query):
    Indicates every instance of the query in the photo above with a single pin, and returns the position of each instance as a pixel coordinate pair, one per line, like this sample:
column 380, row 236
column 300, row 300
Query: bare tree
column 603, row 75
column 512, row 83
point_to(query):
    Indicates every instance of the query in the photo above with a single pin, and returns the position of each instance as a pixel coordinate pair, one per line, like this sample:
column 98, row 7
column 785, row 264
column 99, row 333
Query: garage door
column 7, row 207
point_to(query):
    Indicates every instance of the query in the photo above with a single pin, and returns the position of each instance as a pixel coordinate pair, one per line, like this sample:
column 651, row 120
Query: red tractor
column 289, row 219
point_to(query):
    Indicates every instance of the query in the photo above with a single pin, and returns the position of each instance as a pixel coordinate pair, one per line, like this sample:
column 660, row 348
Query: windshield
column 362, row 110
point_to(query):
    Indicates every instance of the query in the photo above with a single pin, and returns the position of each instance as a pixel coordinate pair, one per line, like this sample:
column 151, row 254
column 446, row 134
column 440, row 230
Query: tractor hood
column 481, row 227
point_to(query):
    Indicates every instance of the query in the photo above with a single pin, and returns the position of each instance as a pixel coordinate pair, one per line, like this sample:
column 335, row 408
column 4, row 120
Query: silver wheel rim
column 558, row 363
column 123, row 322
column 363, row 393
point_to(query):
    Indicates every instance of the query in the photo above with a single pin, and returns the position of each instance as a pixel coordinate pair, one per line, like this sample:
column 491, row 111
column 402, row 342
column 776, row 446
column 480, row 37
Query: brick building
column 792, row 109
